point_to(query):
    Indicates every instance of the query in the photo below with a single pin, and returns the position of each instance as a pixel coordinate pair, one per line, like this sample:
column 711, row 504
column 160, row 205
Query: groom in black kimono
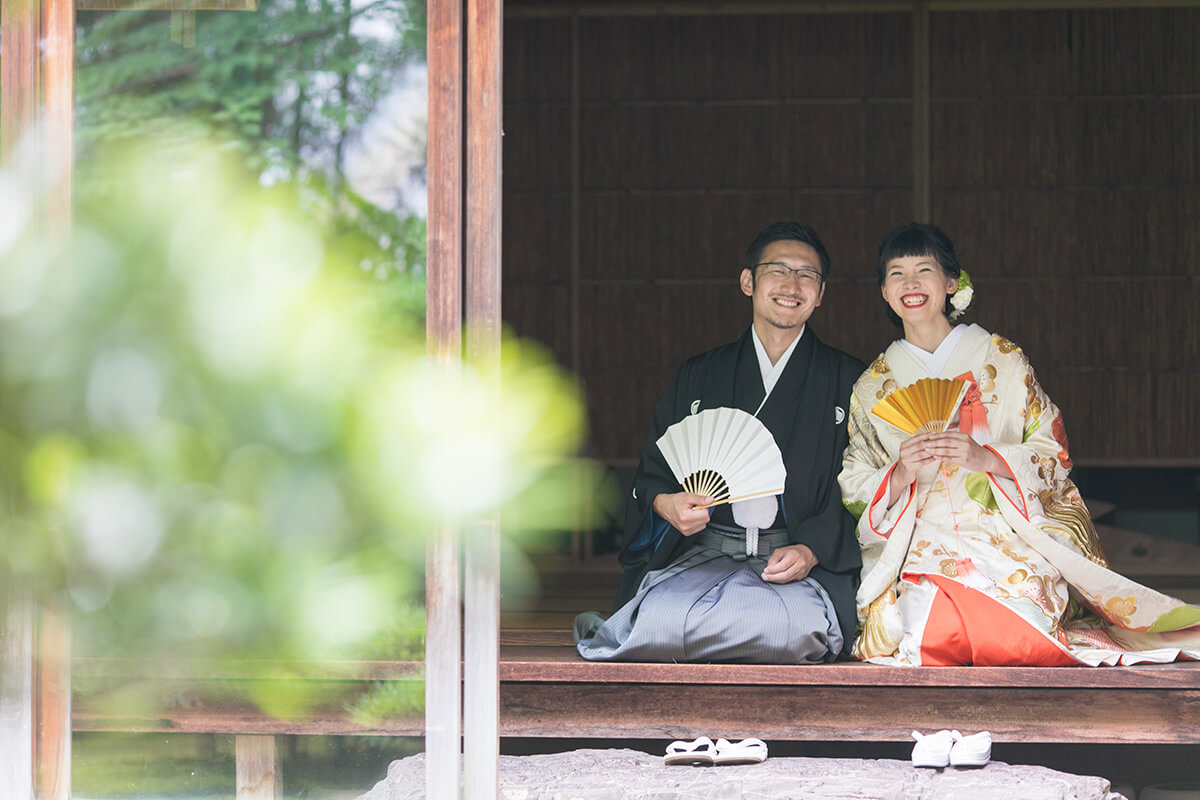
column 694, row 589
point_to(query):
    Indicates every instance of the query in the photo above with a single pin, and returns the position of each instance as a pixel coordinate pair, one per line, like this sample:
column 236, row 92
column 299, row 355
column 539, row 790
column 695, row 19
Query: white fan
column 725, row 454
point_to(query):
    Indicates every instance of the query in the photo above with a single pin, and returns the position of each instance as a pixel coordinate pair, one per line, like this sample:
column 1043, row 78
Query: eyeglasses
column 781, row 272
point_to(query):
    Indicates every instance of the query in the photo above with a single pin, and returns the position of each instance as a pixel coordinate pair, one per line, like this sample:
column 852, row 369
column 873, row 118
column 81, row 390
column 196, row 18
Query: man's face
column 786, row 286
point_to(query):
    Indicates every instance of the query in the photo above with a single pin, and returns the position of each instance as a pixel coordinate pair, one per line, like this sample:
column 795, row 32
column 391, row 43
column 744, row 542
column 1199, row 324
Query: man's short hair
column 784, row 231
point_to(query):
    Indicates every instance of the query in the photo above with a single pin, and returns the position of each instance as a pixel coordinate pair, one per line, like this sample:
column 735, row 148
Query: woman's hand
column 961, row 449
column 913, row 456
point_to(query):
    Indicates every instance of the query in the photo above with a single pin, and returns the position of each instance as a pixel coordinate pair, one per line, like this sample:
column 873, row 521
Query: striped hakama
column 708, row 606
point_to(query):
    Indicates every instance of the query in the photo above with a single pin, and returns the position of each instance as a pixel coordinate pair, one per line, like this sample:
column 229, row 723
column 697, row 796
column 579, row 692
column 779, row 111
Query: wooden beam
column 443, row 332
column 257, row 764
column 549, row 691
column 680, row 8
column 626, row 8
column 167, row 5
column 830, row 713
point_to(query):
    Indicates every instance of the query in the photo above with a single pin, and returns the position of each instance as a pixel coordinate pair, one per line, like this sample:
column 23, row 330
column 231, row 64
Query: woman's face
column 916, row 287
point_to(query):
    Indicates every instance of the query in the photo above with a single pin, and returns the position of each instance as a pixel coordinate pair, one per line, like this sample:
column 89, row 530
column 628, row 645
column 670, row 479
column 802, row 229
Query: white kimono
column 1007, row 566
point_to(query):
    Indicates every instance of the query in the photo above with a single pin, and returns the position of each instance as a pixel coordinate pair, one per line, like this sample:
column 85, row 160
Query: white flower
column 962, row 296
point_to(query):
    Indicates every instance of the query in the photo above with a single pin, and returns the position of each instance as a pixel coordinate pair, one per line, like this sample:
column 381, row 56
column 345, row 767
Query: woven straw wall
column 1065, row 164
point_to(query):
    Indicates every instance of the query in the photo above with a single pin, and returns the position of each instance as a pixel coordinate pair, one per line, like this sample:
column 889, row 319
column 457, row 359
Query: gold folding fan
column 926, row 406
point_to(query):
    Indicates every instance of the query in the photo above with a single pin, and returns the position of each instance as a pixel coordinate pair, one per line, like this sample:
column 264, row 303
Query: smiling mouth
column 914, row 300
column 787, row 302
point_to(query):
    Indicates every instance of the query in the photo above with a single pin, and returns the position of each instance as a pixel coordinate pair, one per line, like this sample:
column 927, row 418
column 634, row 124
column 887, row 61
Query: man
column 694, row 588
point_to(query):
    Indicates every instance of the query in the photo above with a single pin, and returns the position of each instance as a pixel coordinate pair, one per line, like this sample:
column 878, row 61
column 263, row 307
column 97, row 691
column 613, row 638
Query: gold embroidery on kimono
column 1075, row 523
column 874, row 640
column 987, row 379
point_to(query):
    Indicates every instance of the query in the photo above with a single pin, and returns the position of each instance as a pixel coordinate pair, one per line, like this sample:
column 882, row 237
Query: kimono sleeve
column 1040, row 461
column 866, row 469
column 643, row 528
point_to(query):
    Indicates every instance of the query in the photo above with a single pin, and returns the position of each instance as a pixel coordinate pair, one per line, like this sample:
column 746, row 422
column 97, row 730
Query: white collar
column 935, row 362
column 771, row 372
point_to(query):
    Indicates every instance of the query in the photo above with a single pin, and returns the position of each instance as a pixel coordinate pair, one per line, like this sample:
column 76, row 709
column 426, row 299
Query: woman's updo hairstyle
column 918, row 239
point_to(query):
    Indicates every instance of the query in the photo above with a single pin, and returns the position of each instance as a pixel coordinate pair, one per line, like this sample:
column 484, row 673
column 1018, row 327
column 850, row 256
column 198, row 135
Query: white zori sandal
column 971, row 751
column 747, row 751
column 699, row 751
column 952, row 749
column 933, row 750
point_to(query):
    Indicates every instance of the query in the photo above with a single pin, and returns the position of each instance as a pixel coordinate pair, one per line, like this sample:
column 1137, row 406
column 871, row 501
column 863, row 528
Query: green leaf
column 979, row 489
column 1176, row 619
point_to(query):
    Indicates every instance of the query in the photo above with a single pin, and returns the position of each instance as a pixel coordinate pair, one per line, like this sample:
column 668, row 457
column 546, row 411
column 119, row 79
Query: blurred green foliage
column 216, row 441
column 284, row 89
column 131, row 766
column 219, row 435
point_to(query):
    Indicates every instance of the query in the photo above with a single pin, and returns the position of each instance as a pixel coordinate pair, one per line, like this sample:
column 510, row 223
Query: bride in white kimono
column 977, row 548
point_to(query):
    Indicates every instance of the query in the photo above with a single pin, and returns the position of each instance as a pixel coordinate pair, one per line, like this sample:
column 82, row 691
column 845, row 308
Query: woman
column 977, row 548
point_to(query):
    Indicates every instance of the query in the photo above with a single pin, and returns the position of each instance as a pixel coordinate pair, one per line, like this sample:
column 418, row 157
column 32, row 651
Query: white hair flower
column 962, row 295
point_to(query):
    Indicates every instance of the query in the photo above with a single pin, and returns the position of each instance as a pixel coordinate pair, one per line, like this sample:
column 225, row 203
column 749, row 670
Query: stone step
column 621, row 774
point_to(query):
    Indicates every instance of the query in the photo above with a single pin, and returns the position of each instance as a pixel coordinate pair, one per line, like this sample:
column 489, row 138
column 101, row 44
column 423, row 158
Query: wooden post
column 16, row 698
column 481, row 690
column 443, row 331
column 52, row 676
column 18, row 73
column 18, row 113
column 37, row 110
column 52, row 706
column 921, row 110
column 258, row 774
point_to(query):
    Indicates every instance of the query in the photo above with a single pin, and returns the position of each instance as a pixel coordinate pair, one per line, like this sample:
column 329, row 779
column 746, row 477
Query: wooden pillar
column 52, row 676
column 16, row 698
column 443, row 330
column 258, row 773
column 37, row 113
column 481, row 687
column 57, row 77
column 921, row 109
column 18, row 72
column 52, row 706
column 18, row 113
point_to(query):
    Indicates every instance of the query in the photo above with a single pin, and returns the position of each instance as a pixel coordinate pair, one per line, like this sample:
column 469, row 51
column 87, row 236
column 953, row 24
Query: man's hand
column 680, row 510
column 790, row 563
